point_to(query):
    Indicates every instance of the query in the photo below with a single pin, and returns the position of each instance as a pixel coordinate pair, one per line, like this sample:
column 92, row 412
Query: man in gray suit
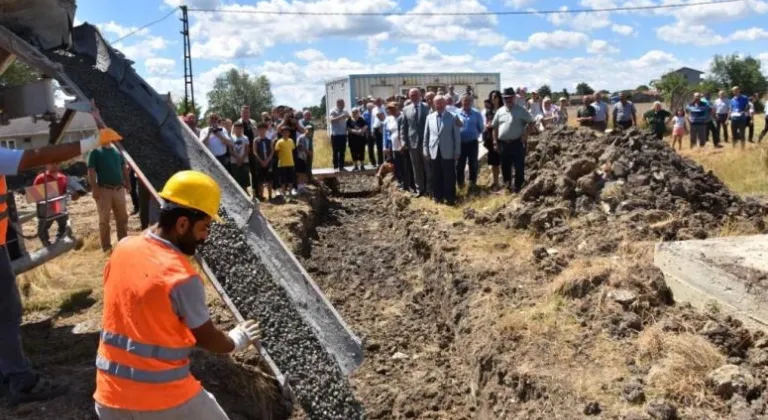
column 442, row 146
column 412, row 135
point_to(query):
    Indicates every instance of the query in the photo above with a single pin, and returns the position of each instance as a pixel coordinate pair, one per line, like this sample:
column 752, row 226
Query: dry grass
column 743, row 171
column 681, row 363
column 323, row 157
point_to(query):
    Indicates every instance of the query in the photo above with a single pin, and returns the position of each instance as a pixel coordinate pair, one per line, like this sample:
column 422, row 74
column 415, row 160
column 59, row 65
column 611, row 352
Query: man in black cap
column 511, row 126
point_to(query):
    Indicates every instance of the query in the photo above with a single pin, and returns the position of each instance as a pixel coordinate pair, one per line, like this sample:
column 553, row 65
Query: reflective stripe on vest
column 144, row 350
column 3, row 210
column 141, row 375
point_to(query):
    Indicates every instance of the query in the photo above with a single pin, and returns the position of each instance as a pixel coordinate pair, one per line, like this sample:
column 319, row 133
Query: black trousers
column 339, row 147
column 443, row 179
column 357, row 148
column 722, row 125
column 737, row 130
column 624, row 124
column 134, row 190
column 714, row 132
column 765, row 129
column 750, row 129
column 469, row 151
column 513, row 156
column 376, row 140
column 253, row 170
column 404, row 170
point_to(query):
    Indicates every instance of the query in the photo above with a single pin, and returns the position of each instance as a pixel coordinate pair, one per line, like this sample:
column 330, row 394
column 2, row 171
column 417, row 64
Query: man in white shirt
column 216, row 139
column 722, row 110
column 338, row 121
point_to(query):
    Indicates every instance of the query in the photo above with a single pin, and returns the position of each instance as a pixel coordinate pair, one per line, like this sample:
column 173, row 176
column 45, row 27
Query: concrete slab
column 729, row 273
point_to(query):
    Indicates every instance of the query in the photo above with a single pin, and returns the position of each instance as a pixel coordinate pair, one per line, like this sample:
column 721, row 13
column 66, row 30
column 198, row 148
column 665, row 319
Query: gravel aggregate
column 318, row 383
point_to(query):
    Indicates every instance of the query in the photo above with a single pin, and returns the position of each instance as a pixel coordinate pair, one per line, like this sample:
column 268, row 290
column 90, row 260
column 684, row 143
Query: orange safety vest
column 3, row 210
column 143, row 357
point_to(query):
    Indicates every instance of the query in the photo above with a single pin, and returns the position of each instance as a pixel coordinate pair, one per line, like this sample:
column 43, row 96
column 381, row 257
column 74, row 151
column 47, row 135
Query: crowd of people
column 701, row 119
column 272, row 154
column 430, row 139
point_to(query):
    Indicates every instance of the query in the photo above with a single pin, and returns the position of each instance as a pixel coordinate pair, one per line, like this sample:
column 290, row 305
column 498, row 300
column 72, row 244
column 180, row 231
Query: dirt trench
column 394, row 275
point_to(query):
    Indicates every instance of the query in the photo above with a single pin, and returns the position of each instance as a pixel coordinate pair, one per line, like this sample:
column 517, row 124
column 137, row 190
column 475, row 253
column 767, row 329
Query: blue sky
column 298, row 53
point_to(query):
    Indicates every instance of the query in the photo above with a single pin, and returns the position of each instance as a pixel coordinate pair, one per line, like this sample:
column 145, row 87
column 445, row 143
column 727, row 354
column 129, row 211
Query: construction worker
column 155, row 314
column 20, row 382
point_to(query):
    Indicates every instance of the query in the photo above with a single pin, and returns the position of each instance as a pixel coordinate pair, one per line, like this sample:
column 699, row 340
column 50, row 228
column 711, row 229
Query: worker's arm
column 188, row 302
column 126, row 174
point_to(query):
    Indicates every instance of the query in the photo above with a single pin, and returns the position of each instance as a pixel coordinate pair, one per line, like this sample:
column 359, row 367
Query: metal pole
column 189, row 87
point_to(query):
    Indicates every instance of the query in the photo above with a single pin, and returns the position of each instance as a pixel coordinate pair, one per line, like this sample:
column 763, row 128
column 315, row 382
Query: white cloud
column 622, row 29
column 560, row 40
column 599, row 46
column 159, row 66
column 146, row 47
column 120, row 31
column 584, row 21
column 477, row 29
column 374, row 43
column 685, row 33
column 226, row 36
column 203, row 84
column 716, row 12
column 310, row 54
column 751, row 34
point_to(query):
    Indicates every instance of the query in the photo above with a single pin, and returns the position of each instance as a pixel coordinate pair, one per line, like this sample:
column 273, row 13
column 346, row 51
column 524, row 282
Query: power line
column 486, row 13
column 154, row 22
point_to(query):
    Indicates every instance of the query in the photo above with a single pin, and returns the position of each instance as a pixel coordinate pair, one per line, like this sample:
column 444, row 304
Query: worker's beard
column 188, row 244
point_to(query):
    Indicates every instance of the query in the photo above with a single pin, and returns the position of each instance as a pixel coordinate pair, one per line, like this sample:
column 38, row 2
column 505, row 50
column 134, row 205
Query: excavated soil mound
column 629, row 181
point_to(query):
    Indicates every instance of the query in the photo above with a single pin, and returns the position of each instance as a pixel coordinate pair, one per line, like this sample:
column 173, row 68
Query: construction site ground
column 464, row 315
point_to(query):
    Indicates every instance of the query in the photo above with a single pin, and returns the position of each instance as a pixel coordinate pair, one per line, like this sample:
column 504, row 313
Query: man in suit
column 412, row 135
column 442, row 146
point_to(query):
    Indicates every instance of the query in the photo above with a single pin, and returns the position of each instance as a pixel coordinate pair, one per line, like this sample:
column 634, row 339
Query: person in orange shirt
column 155, row 314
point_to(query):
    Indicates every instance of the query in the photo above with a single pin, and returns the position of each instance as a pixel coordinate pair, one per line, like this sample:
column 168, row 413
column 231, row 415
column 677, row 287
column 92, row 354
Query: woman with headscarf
column 562, row 112
column 548, row 114
column 494, row 159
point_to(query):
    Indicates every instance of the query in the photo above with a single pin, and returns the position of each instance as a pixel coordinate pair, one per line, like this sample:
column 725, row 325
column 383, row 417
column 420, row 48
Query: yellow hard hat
column 194, row 190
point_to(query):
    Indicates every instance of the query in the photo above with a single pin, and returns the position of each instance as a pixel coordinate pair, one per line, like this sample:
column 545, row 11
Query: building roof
column 689, row 69
column 20, row 128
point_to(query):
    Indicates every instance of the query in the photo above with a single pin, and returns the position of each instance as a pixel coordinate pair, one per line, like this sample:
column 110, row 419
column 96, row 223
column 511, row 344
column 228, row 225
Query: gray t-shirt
column 338, row 127
column 623, row 112
column 239, row 145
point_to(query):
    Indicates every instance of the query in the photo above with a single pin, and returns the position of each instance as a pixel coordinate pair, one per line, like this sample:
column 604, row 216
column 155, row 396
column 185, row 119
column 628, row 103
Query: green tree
column 181, row 111
column 545, row 91
column 18, row 74
column 674, row 89
column 642, row 88
column 323, row 108
column 708, row 86
column 732, row 70
column 235, row 88
column 566, row 95
column 584, row 89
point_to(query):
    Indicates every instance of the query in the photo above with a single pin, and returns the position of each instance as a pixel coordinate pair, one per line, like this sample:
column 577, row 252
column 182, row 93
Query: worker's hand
column 245, row 334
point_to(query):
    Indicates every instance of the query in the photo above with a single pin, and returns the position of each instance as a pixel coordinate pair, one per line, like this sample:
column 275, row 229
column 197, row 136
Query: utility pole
column 189, row 87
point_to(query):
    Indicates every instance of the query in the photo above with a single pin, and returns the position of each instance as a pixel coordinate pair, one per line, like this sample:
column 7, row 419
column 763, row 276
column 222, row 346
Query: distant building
column 693, row 76
column 383, row 86
column 26, row 133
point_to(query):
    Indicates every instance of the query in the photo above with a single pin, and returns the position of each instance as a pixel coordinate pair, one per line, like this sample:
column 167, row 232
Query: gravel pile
column 318, row 383
column 630, row 178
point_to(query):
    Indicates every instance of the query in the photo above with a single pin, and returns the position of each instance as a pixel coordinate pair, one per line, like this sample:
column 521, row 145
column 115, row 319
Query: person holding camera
column 216, row 139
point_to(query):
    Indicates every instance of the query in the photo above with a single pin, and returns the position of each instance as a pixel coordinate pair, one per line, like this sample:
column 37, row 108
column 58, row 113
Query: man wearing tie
column 442, row 146
column 412, row 135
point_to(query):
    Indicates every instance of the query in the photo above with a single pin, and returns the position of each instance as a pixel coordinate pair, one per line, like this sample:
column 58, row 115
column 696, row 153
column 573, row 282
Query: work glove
column 106, row 135
column 245, row 334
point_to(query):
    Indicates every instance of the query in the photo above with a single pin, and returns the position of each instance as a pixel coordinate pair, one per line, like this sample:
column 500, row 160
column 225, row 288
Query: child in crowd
column 239, row 156
column 263, row 153
column 51, row 173
column 303, row 155
column 679, row 128
column 285, row 165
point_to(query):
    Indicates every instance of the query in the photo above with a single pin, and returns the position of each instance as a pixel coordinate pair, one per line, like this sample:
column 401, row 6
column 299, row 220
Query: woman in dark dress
column 356, row 131
column 493, row 104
